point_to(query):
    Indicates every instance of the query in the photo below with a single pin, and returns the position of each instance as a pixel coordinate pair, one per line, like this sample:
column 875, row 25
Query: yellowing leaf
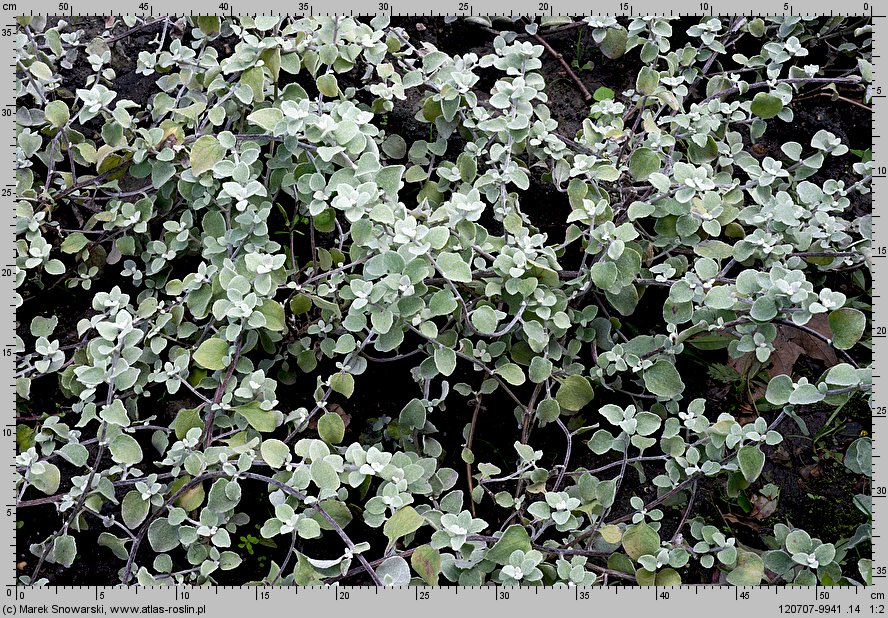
column 327, row 85
column 205, row 153
column 574, row 393
column 405, row 521
column 259, row 419
column 426, row 561
column 211, row 354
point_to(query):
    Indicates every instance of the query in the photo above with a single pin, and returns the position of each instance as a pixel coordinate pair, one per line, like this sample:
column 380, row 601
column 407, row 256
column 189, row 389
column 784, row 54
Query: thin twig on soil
column 788, row 80
column 469, row 447
column 587, row 96
column 136, row 29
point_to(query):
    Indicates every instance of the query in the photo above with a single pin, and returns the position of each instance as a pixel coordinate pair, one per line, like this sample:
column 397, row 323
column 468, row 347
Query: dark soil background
column 816, row 491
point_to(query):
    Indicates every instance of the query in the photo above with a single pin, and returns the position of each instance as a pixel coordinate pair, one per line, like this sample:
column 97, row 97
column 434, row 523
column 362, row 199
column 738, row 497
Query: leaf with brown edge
column 426, row 561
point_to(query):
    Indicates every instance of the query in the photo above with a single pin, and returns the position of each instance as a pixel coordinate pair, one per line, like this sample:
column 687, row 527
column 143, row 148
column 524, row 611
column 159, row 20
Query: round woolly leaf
column 187, row 418
column 41, row 70
column 343, row 383
column 756, row 27
column 426, row 561
column 825, row 553
column 205, row 153
column 300, row 304
column 211, row 354
column 647, row 80
column 843, row 374
column 324, row 476
column 601, row 442
column 604, row 274
column 192, row 498
column 793, row 150
column 763, row 309
column 394, row 146
column 266, row 118
column 115, row 414
column 209, row 24
column 134, row 510
column 453, row 267
column 603, row 93
column 445, row 360
column 647, row 423
column 640, row 540
column 614, row 43
column 274, row 315
column 847, row 326
column 64, row 550
column 805, row 394
column 779, row 390
column 484, row 319
column 259, row 419
column 331, row 428
column 663, row 379
column 405, row 521
column 766, row 105
column 125, row 450
column 749, row 571
column 47, row 481
column 74, row 243
column 274, row 452
column 643, row 163
column 229, row 560
column 668, row 577
column 55, row 267
column 511, row 373
column 574, row 393
column 540, row 369
column 751, row 460
column 548, row 410
column 611, row 533
column 859, row 457
column 394, row 571
column 57, row 113
column 162, row 535
column 327, row 85
column 74, row 453
column 798, row 541
column 515, row 538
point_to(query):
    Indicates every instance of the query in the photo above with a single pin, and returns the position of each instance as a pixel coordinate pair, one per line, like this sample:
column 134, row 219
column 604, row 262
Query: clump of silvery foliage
column 257, row 224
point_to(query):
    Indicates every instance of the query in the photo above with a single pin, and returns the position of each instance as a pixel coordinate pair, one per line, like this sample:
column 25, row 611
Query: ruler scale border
column 692, row 600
